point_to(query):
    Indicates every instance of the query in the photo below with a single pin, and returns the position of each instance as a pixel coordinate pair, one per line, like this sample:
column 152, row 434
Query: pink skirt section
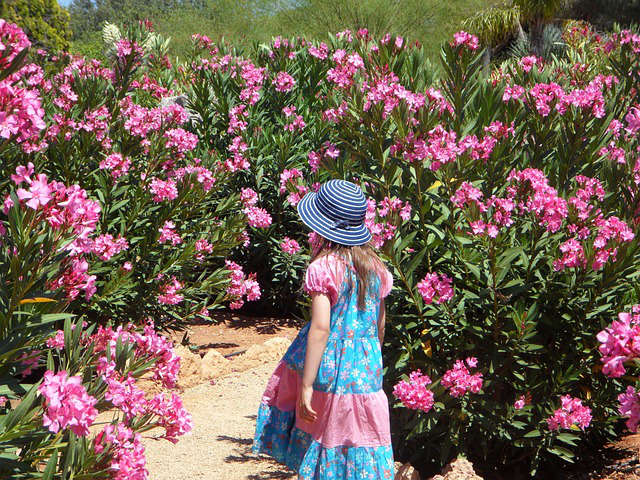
column 353, row 420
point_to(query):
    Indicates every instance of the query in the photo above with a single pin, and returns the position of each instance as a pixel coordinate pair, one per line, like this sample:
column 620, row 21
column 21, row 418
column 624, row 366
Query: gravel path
column 219, row 446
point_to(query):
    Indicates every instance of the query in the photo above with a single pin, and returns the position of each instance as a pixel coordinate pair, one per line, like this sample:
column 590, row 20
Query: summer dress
column 350, row 439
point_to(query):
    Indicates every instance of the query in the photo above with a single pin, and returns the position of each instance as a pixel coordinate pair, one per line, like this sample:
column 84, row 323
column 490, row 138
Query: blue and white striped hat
column 337, row 213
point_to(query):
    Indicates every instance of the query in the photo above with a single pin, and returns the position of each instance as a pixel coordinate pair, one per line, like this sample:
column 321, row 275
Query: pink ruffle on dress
column 350, row 440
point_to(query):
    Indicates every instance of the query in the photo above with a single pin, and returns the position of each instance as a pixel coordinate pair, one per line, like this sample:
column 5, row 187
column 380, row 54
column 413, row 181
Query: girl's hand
column 305, row 411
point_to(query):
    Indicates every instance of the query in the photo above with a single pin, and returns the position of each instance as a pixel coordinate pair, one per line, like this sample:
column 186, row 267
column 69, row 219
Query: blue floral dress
column 350, row 440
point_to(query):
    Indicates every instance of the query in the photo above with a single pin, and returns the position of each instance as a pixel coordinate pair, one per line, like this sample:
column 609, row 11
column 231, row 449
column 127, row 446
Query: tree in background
column 44, row 21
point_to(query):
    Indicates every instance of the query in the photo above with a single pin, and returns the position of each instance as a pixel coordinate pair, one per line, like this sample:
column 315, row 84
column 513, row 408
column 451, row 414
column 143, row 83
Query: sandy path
column 219, row 446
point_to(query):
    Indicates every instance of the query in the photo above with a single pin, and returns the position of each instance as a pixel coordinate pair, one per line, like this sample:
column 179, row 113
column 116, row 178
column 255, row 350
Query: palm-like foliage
column 499, row 23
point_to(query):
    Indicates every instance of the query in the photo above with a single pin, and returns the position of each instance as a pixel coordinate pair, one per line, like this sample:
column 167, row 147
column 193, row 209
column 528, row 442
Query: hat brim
column 349, row 235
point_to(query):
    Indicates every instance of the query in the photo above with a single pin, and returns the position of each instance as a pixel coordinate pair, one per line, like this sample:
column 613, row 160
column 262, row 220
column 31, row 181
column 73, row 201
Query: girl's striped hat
column 337, row 213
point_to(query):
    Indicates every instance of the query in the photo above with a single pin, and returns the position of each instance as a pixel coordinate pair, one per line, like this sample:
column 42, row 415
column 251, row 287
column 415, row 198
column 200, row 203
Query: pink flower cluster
column 290, row 246
column 620, row 342
column 62, row 207
column 241, row 286
column 21, row 114
column 13, row 40
column 284, row 82
column 630, row 407
column 126, row 451
column 289, row 181
column 170, row 295
column 127, row 48
column 237, row 116
column 116, row 164
column 163, row 189
column 466, row 40
column 393, row 210
column 545, row 97
column 414, row 394
column 237, row 160
column 74, row 277
column 66, row 403
column 297, row 123
column 180, row 140
column 439, row 148
column 105, row 246
column 172, row 416
column 327, row 150
column 347, row 65
column 572, row 412
column 168, row 234
column 140, row 121
column 256, row 217
column 57, row 341
column 435, row 287
column 459, row 381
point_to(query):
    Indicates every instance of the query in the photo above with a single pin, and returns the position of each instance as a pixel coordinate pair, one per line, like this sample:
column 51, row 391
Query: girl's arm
column 382, row 320
column 316, row 343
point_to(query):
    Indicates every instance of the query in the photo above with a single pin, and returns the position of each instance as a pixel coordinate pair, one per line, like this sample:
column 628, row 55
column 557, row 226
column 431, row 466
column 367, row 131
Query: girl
column 324, row 413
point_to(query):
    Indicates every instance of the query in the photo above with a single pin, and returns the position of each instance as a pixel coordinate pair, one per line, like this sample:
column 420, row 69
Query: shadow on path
column 244, row 455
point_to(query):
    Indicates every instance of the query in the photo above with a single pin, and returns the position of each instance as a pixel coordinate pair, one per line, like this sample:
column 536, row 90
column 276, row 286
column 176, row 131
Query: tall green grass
column 431, row 22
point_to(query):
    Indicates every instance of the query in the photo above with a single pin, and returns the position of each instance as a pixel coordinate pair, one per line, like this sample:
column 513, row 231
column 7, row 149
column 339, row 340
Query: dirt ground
column 219, row 446
column 232, row 333
column 224, row 412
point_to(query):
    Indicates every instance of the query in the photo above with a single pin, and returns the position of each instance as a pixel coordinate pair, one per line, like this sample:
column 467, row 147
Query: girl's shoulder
column 324, row 275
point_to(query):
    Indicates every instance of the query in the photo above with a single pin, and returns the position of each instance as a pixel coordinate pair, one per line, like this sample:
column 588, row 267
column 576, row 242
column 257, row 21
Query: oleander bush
column 504, row 198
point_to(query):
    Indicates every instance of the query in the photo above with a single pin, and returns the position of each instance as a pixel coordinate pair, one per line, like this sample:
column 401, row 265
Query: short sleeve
column 386, row 283
column 320, row 278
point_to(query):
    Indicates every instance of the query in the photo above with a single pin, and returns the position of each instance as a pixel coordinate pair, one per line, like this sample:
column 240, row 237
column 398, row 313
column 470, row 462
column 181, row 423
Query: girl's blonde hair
column 364, row 258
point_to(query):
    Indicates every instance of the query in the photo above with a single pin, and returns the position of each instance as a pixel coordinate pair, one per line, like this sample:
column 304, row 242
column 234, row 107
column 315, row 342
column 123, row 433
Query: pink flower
column 66, row 404
column 633, row 120
column 125, row 450
column 180, row 140
column 106, row 247
column 3, row 401
column 459, row 381
column 57, row 341
column 290, row 246
column 126, row 48
column 23, row 174
column 21, row 114
column 168, row 234
column 39, row 193
column 571, row 412
column 284, row 82
column 465, row 39
column 169, row 295
column 630, row 407
column 13, row 40
column 154, row 346
column 116, row 164
column 163, row 190
column 520, row 402
column 435, row 287
column 414, row 393
column 288, row 176
column 248, row 197
column 619, row 343
column 172, row 416
column 257, row 217
column 241, row 286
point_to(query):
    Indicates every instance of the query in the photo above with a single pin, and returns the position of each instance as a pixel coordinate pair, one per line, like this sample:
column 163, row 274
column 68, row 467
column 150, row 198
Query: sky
column 64, row 3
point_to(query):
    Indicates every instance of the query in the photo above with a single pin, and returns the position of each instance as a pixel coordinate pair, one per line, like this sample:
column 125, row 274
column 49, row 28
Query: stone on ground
column 405, row 472
column 459, row 469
